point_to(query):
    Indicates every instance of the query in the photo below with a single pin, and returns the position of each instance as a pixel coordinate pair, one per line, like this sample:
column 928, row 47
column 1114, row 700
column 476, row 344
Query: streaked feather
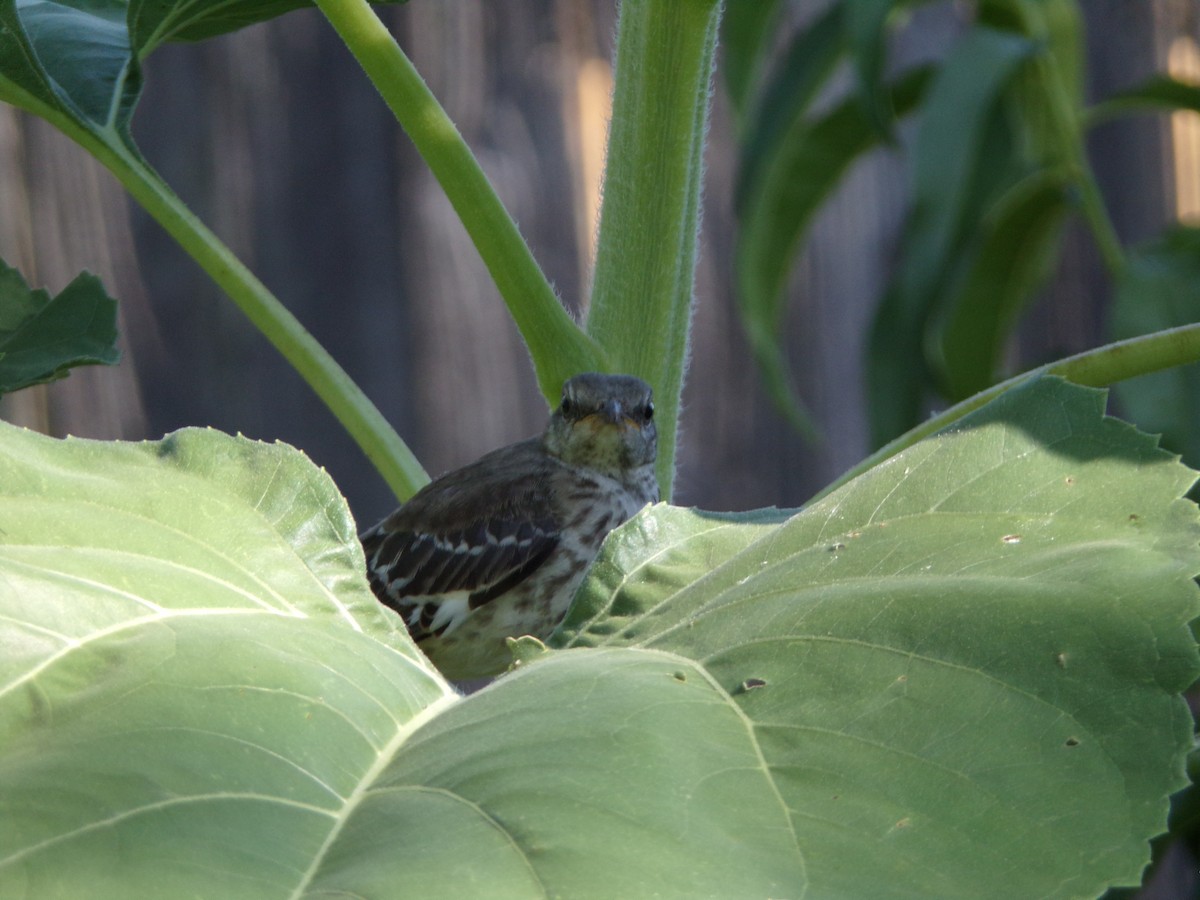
column 469, row 533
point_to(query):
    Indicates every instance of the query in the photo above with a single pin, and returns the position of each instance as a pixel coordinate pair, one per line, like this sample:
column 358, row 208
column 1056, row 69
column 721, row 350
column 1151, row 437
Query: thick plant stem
column 558, row 346
column 646, row 254
column 1094, row 368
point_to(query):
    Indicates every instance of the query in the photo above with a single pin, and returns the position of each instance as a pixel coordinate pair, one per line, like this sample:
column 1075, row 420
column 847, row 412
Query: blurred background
column 275, row 139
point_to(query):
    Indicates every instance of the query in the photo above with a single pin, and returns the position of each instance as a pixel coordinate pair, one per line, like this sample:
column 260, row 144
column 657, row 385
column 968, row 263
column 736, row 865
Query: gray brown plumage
column 497, row 549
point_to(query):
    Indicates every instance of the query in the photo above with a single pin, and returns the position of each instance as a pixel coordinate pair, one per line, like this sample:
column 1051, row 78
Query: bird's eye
column 648, row 412
column 566, row 407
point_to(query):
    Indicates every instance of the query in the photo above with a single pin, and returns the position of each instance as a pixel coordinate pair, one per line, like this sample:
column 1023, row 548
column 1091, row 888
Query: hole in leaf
column 750, row 684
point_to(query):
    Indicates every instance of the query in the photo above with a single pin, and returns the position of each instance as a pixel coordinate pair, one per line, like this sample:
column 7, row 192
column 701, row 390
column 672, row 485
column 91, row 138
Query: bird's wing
column 463, row 540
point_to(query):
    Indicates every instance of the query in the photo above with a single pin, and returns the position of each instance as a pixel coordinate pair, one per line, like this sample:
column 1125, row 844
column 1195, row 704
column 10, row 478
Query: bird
column 498, row 548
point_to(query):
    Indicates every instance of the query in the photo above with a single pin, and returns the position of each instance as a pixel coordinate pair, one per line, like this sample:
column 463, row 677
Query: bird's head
column 604, row 422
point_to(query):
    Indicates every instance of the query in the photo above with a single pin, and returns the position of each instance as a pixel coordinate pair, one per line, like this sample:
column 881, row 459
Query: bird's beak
column 611, row 413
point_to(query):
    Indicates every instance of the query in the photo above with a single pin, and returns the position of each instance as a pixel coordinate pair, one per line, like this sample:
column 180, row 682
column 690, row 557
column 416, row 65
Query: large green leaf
column 200, row 697
column 154, row 22
column 82, row 60
column 958, row 671
column 69, row 62
column 41, row 338
column 963, row 668
column 1160, row 289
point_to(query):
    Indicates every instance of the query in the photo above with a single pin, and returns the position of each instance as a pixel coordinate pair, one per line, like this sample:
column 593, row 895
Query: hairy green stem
column 1094, row 368
column 365, row 424
column 558, row 346
column 646, row 252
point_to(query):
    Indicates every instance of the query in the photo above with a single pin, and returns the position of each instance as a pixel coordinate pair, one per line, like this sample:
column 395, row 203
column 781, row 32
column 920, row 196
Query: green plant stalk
column 361, row 418
column 344, row 398
column 558, row 346
column 1101, row 367
column 640, row 309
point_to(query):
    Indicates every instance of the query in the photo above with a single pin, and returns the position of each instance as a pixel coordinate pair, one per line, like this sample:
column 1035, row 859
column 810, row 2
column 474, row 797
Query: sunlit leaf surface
column 961, row 669
column 200, row 697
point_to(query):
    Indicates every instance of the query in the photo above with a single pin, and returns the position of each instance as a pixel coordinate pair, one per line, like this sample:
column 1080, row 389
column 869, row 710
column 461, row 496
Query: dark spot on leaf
column 679, row 676
column 1069, row 480
column 750, row 684
column 834, row 548
column 1011, row 539
column 1072, row 742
